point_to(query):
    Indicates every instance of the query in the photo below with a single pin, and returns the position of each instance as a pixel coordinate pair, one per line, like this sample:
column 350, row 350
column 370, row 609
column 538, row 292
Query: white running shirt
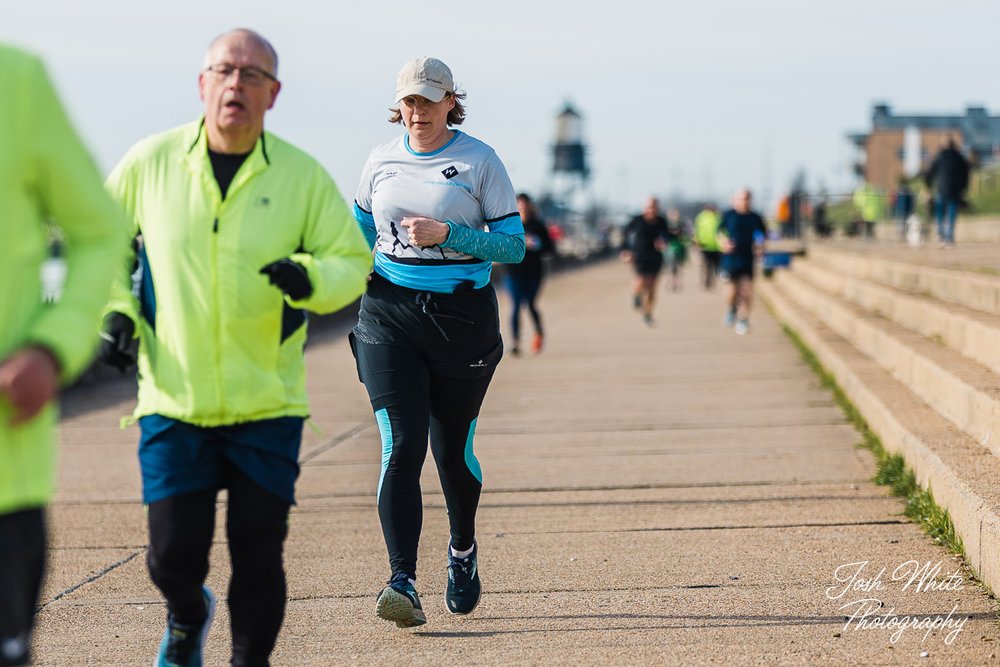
column 463, row 182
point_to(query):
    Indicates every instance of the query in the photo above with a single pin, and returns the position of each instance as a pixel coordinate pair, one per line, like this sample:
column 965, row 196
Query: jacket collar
column 198, row 162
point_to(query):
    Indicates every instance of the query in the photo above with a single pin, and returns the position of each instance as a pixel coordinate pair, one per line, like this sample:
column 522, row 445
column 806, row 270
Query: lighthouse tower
column 570, row 173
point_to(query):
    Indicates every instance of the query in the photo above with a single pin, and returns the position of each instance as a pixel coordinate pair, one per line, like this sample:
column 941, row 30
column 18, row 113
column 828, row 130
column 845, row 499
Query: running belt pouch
column 353, row 340
column 478, row 367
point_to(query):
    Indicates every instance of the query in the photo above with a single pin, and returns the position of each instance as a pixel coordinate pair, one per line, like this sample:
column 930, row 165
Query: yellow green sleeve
column 121, row 187
column 70, row 188
column 335, row 253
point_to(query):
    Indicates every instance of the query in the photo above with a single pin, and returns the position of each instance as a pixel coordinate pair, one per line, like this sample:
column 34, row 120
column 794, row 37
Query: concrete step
column 967, row 230
column 961, row 474
column 972, row 333
column 962, row 391
column 967, row 288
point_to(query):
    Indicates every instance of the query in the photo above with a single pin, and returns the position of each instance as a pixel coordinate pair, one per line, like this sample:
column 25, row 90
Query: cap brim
column 424, row 90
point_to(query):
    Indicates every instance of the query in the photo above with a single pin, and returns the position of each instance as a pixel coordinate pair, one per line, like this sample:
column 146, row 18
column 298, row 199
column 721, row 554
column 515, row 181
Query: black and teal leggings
column 426, row 360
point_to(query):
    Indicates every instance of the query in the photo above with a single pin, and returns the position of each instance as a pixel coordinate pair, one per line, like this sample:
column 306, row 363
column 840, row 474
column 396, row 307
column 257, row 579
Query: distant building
column 903, row 145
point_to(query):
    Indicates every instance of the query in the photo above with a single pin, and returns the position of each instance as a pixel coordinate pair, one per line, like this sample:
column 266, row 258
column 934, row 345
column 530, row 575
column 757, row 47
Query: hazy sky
column 699, row 96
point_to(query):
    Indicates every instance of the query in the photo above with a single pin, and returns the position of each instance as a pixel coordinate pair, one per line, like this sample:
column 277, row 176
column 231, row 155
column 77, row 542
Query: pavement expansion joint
column 688, row 485
column 92, row 578
column 675, row 501
column 103, row 547
column 672, row 529
column 656, row 428
column 334, row 441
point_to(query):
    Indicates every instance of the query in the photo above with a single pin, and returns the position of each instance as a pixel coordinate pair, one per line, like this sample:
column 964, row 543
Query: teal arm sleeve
column 491, row 246
column 370, row 235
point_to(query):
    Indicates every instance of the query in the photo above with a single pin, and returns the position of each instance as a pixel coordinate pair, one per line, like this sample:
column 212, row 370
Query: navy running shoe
column 462, row 594
column 183, row 645
column 399, row 602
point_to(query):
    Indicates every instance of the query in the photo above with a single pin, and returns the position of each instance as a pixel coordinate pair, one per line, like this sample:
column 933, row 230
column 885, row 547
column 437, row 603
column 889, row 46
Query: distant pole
column 675, row 184
column 623, row 195
column 765, row 176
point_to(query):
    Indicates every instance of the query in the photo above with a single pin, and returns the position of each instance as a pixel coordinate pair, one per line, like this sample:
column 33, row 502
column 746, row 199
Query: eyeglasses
column 252, row 76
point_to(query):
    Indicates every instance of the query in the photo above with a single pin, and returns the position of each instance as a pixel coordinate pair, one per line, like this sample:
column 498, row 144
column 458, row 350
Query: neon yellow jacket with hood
column 46, row 175
column 218, row 343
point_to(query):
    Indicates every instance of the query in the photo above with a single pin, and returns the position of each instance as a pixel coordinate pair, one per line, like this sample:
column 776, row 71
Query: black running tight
column 22, row 564
column 180, row 538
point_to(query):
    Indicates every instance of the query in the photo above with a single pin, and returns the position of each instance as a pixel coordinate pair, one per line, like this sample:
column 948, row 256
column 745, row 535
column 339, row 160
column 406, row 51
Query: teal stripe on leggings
column 470, row 456
column 385, row 428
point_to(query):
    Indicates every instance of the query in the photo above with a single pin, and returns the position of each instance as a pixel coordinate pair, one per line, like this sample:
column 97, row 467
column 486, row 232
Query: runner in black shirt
column 645, row 239
column 742, row 235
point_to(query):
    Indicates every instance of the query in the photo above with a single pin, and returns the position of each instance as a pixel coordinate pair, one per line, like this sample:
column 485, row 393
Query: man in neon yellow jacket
column 239, row 234
column 706, row 230
column 45, row 175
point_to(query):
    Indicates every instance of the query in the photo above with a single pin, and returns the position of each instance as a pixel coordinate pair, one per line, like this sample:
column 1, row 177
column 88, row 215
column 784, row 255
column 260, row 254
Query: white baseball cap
column 427, row 77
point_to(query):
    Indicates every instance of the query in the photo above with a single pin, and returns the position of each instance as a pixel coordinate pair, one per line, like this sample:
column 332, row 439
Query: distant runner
column 742, row 234
column 706, row 230
column 645, row 239
column 524, row 280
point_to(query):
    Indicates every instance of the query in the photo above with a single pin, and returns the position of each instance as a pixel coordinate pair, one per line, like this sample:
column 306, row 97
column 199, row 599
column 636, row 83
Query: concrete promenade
column 665, row 495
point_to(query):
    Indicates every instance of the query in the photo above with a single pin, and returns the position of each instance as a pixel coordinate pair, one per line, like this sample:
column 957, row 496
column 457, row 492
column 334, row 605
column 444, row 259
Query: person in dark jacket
column 645, row 239
column 948, row 177
column 524, row 280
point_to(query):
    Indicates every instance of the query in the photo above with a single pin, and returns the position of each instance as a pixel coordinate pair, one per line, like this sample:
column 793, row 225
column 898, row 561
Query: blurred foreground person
column 45, row 175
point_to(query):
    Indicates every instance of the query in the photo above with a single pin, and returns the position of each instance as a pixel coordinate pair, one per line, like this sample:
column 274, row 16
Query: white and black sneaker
column 462, row 594
column 398, row 602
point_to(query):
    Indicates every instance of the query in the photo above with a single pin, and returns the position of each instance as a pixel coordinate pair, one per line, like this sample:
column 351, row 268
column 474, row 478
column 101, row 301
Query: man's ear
column 275, row 89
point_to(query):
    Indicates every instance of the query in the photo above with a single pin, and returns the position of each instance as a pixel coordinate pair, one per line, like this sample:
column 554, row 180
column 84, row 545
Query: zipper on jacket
column 217, row 324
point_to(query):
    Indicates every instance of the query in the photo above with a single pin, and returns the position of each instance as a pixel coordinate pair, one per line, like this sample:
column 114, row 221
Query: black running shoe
column 398, row 602
column 462, row 594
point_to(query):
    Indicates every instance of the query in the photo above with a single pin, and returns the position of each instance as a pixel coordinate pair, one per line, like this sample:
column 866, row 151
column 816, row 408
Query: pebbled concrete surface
column 665, row 495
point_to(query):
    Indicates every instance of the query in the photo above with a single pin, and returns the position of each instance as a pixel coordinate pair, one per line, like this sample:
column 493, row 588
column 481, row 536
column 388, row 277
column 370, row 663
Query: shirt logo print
column 450, row 172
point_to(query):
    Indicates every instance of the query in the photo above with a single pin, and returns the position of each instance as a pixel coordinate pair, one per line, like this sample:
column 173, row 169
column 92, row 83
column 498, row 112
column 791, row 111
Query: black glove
column 290, row 277
column 119, row 347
